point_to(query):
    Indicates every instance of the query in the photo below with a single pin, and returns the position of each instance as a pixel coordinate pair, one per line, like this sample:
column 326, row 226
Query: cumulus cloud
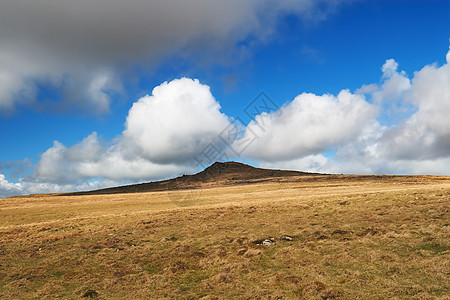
column 309, row 125
column 60, row 164
column 391, row 96
column 395, row 83
column 176, row 122
column 164, row 133
column 8, row 188
column 426, row 134
column 83, row 48
column 416, row 140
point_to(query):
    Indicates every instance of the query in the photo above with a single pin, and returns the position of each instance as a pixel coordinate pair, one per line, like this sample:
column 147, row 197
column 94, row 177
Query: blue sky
column 79, row 73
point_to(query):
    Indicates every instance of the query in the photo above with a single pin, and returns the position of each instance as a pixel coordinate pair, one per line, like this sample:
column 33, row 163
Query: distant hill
column 219, row 173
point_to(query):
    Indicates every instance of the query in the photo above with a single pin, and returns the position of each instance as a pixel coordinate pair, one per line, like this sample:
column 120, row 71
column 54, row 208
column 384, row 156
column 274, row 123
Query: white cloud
column 60, row 164
column 447, row 57
column 391, row 96
column 53, row 166
column 426, row 133
column 395, row 83
column 416, row 143
column 389, row 68
column 310, row 163
column 163, row 134
column 8, row 188
column 176, row 122
column 309, row 125
column 49, row 187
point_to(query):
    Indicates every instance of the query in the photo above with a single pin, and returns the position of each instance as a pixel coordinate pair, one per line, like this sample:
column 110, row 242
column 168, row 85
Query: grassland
column 380, row 237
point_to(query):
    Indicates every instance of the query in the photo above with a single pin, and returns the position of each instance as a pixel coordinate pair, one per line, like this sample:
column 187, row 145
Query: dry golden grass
column 380, row 237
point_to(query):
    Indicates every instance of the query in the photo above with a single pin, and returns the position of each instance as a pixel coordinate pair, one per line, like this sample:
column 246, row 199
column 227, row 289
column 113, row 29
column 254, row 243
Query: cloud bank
column 164, row 132
column 86, row 49
column 344, row 133
column 418, row 142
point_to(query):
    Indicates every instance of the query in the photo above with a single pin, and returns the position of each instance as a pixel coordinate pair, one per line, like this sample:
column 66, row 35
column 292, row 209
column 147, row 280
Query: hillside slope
column 219, row 173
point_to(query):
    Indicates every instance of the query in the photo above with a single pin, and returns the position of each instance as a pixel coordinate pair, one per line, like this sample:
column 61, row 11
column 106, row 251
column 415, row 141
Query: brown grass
column 379, row 237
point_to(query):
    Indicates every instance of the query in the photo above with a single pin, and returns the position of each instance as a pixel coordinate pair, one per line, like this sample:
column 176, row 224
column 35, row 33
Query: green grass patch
column 190, row 281
column 151, row 269
column 434, row 247
column 59, row 274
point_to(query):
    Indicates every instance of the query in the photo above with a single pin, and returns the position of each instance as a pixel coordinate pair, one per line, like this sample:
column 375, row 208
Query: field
column 330, row 237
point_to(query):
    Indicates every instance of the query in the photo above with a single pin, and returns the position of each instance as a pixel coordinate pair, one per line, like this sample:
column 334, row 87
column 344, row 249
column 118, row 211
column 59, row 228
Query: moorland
column 232, row 231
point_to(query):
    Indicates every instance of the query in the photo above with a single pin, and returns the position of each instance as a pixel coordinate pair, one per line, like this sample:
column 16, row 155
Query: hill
column 217, row 174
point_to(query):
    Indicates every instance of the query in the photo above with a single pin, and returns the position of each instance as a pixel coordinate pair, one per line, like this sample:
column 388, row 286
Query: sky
column 101, row 93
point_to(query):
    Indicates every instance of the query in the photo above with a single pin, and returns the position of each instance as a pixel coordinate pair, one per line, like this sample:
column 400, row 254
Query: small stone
column 90, row 294
column 286, row 238
column 264, row 242
column 268, row 242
